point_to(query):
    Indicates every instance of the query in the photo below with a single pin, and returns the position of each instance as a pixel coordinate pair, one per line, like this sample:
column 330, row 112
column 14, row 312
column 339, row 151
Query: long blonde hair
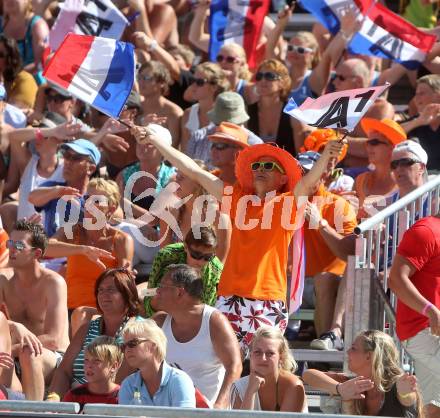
column 244, row 72
column 287, row 362
column 385, row 365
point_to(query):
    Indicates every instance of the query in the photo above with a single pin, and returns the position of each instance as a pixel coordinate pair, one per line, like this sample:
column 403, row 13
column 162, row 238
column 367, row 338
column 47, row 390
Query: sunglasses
column 268, row 76
column 200, row 256
column 57, row 98
column 220, row 146
column 70, row 156
column 133, row 343
column 267, row 166
column 403, row 162
column 228, row 59
column 373, row 142
column 200, row 82
column 18, row 245
column 298, row 49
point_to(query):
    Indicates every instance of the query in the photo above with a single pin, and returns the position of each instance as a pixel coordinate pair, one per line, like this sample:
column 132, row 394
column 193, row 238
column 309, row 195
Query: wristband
column 39, row 137
column 337, row 389
column 427, row 306
column 153, row 45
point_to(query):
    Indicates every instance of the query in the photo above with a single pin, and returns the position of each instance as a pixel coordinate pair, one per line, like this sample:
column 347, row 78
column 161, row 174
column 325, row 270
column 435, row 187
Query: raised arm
column 144, row 42
column 307, row 185
column 197, row 35
column 208, row 181
column 275, row 35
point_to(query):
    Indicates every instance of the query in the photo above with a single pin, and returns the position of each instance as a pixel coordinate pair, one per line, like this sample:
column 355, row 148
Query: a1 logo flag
column 340, row 110
column 87, row 17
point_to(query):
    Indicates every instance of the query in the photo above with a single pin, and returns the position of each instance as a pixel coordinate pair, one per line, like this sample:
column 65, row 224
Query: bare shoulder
column 159, row 318
column 52, row 278
column 173, row 108
column 291, row 380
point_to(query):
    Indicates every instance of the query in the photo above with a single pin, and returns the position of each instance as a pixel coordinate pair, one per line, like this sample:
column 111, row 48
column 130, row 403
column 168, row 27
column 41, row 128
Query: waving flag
column 341, row 110
column 236, row 21
column 87, row 17
column 98, row 71
column 383, row 33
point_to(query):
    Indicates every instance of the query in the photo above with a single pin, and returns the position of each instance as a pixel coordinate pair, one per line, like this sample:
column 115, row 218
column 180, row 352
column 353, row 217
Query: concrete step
column 325, row 356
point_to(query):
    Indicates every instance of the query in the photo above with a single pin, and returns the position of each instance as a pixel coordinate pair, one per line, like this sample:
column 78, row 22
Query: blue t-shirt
column 303, row 91
column 58, row 212
column 176, row 389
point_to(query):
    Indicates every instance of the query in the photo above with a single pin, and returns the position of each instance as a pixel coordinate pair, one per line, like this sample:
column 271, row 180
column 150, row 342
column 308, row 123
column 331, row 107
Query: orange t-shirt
column 81, row 275
column 257, row 260
column 319, row 257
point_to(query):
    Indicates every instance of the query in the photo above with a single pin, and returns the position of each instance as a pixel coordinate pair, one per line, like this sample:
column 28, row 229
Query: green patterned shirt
column 175, row 254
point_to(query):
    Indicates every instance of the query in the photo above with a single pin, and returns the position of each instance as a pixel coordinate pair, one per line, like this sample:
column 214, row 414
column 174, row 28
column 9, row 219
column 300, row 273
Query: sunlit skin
column 424, row 96
column 408, row 178
column 99, row 374
column 295, row 58
column 379, row 154
column 267, row 181
column 268, row 88
column 346, row 71
column 21, row 258
column 205, row 91
column 110, row 299
column 138, row 357
column 265, row 357
column 359, row 360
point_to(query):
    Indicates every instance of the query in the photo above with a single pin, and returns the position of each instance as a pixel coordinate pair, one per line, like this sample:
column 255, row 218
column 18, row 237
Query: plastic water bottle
column 137, row 398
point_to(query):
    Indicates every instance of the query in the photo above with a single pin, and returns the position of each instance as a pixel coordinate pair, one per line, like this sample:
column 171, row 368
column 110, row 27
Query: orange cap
column 231, row 134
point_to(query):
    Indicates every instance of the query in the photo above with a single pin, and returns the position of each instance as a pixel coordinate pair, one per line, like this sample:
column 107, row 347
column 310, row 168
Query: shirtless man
column 36, row 300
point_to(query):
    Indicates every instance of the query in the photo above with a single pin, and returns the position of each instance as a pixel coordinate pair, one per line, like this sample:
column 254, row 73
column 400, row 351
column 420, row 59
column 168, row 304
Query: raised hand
column 355, row 388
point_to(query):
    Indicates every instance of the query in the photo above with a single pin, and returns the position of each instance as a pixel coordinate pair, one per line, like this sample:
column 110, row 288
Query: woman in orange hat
column 372, row 187
column 262, row 208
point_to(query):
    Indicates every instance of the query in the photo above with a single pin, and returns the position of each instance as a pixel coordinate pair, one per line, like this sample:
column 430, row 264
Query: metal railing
column 369, row 302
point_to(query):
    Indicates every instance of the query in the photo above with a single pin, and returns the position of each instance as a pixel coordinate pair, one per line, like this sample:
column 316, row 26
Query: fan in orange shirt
column 252, row 288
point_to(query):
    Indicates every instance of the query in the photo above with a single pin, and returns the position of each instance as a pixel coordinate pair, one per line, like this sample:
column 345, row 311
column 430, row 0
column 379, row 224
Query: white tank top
column 197, row 357
column 31, row 180
column 193, row 122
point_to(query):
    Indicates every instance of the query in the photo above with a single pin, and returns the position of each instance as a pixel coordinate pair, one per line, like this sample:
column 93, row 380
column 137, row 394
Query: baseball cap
column 410, row 147
column 161, row 132
column 308, row 159
column 84, row 147
column 231, row 134
column 387, row 127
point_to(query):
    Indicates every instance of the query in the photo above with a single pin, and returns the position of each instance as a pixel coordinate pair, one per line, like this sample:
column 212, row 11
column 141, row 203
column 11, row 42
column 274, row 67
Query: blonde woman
column 380, row 387
column 233, row 61
column 209, row 81
column 271, row 385
column 155, row 383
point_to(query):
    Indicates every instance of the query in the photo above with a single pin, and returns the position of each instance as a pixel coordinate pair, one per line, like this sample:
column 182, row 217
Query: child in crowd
column 101, row 363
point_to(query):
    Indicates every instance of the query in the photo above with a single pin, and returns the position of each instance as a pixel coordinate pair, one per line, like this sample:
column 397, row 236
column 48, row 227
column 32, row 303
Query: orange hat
column 317, row 140
column 251, row 154
column 231, row 134
column 387, row 127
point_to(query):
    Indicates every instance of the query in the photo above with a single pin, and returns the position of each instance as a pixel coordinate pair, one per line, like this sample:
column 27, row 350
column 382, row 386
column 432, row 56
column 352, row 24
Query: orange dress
column 81, row 275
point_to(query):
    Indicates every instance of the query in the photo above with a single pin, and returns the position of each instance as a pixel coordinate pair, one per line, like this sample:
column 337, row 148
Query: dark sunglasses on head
column 373, row 142
column 132, row 343
column 268, row 76
column 57, row 98
column 200, row 256
column 220, row 146
column 403, row 162
column 267, row 166
column 227, row 58
column 298, row 49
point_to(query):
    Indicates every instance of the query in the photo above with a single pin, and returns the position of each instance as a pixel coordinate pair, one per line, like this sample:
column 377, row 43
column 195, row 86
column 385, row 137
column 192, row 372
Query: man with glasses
column 81, row 158
column 36, row 300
